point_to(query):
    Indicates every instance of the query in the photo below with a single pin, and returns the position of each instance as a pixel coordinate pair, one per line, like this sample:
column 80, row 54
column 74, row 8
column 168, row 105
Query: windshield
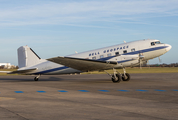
column 155, row 43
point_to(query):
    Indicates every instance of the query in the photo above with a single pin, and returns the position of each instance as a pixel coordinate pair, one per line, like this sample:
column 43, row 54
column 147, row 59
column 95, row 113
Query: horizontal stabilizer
column 24, row 71
column 83, row 64
column 5, row 71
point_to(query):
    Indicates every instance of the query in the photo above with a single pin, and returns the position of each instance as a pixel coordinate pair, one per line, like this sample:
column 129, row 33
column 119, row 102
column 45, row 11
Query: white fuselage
column 122, row 53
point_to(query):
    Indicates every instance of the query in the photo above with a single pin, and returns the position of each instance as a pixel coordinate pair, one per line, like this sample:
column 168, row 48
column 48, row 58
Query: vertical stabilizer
column 27, row 57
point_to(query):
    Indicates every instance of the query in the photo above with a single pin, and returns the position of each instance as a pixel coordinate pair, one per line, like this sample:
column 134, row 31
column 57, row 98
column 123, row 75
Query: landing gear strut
column 117, row 77
column 36, row 78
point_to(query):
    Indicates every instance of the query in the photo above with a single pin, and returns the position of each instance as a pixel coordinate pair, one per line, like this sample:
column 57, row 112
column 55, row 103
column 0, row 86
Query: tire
column 35, row 79
column 126, row 79
column 116, row 80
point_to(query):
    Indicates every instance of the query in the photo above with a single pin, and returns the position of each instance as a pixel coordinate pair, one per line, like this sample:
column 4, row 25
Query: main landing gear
column 125, row 76
column 117, row 77
column 36, row 78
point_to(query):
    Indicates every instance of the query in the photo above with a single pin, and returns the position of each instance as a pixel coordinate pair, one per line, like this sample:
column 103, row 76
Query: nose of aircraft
column 168, row 47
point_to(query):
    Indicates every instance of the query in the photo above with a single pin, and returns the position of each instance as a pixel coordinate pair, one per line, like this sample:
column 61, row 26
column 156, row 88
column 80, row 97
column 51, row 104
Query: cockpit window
column 158, row 42
column 154, row 43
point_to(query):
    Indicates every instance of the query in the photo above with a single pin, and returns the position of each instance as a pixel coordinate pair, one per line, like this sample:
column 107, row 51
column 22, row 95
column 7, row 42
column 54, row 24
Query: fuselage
column 122, row 53
column 145, row 47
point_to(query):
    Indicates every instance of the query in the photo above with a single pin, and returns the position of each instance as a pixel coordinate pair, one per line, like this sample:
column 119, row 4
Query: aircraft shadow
column 30, row 79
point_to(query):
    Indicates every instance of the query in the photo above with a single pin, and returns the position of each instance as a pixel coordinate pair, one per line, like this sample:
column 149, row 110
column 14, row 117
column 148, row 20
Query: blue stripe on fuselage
column 146, row 50
column 51, row 70
column 135, row 52
column 124, row 61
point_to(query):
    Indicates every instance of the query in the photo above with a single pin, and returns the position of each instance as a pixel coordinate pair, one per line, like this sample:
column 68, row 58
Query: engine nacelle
column 126, row 60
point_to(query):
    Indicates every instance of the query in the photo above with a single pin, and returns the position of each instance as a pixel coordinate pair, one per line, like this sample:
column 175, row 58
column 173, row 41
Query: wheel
column 127, row 77
column 118, row 79
column 35, row 79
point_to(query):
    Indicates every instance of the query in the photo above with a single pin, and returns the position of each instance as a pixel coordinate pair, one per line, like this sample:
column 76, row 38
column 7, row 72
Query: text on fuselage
column 109, row 50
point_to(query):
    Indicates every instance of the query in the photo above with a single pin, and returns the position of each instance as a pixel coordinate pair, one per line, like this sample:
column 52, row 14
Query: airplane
column 119, row 56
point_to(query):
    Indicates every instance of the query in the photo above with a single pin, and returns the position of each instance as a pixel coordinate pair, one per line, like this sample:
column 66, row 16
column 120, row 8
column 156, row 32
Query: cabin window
column 117, row 53
column 102, row 56
column 125, row 51
column 109, row 54
column 94, row 58
column 133, row 50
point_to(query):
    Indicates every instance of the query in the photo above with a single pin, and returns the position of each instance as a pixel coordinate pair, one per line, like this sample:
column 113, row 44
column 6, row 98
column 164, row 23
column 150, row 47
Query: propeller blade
column 141, row 63
column 159, row 59
column 141, row 57
column 148, row 64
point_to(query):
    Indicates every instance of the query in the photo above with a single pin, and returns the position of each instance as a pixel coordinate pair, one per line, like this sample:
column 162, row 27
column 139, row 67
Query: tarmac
column 89, row 97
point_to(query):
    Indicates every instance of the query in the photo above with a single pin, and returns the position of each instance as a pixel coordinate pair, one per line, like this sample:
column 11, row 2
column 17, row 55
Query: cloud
column 60, row 12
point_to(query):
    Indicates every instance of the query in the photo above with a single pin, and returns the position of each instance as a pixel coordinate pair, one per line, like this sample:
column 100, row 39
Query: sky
column 61, row 27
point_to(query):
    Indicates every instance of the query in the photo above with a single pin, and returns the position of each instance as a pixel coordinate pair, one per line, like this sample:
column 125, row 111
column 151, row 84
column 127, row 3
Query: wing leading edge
column 84, row 64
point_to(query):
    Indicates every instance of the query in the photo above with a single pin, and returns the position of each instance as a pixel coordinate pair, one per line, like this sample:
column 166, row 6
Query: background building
column 6, row 66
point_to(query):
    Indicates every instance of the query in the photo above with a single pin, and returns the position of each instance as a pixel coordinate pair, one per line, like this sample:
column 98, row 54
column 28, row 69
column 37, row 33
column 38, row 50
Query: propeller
column 141, row 63
column 141, row 58
column 148, row 64
column 159, row 59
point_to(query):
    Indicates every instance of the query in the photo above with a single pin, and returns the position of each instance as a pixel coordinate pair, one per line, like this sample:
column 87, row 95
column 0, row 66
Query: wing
column 83, row 64
column 23, row 71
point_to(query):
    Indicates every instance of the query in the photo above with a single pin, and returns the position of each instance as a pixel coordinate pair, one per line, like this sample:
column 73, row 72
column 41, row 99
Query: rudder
column 27, row 57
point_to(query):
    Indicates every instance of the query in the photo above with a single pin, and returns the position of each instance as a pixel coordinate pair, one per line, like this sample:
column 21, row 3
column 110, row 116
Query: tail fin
column 27, row 57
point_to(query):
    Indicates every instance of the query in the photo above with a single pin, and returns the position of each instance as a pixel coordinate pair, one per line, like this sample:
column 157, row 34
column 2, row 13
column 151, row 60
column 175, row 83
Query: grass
column 7, row 70
column 129, row 70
